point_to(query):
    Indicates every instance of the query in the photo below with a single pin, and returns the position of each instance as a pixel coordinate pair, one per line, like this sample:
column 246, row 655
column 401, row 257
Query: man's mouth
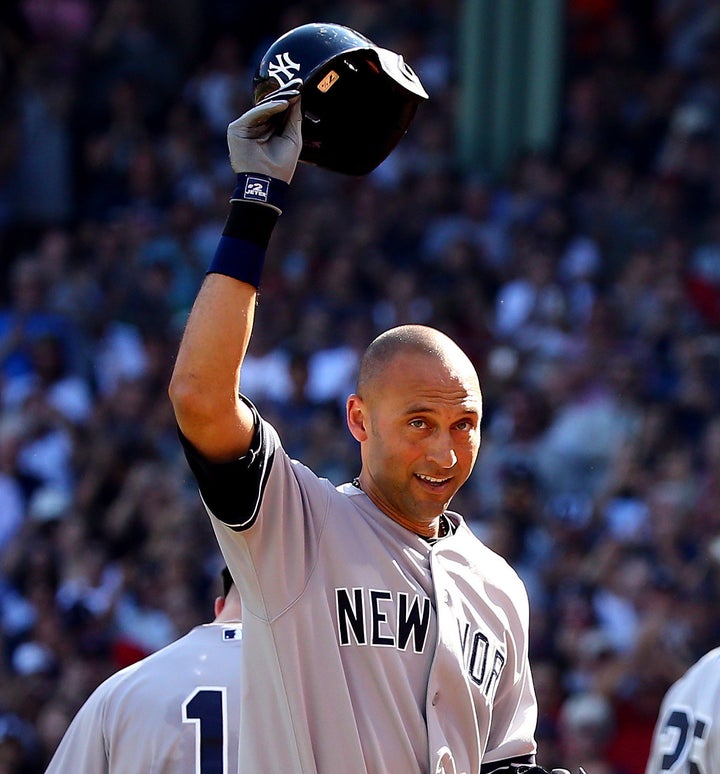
column 432, row 480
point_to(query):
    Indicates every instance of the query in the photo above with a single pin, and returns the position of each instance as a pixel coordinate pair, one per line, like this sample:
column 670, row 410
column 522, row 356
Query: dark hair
column 227, row 581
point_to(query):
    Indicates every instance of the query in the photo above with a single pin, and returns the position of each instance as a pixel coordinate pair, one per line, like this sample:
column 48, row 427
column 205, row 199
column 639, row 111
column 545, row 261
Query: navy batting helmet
column 357, row 99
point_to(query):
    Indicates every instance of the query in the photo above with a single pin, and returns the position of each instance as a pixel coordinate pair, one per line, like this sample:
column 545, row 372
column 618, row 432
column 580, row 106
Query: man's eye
column 417, row 423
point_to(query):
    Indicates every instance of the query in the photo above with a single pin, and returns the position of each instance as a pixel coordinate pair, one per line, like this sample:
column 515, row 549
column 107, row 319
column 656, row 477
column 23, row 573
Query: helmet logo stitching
column 282, row 69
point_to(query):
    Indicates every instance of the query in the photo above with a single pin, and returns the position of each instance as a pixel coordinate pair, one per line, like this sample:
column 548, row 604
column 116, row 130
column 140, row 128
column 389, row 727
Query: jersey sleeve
column 83, row 746
column 232, row 491
column 268, row 512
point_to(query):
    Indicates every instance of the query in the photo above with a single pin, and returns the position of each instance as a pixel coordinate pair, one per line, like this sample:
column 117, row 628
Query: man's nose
column 441, row 451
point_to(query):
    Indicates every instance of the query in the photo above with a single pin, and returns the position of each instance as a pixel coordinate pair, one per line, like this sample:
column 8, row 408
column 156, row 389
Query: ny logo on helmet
column 282, row 69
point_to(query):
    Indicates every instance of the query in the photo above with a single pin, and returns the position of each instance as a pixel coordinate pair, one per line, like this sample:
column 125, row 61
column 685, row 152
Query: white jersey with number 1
column 175, row 712
column 366, row 649
column 687, row 733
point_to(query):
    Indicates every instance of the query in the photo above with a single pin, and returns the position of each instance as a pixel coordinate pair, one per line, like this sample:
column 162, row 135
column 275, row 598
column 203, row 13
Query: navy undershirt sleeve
column 233, row 490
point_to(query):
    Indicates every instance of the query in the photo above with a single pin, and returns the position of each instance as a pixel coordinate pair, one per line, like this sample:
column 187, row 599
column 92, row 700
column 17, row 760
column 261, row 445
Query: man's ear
column 356, row 417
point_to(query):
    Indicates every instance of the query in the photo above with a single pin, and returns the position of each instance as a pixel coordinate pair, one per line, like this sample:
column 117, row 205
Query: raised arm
column 264, row 146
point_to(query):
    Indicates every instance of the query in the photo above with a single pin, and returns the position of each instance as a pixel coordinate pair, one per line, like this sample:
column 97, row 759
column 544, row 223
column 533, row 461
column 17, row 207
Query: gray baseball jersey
column 687, row 733
column 175, row 712
column 366, row 649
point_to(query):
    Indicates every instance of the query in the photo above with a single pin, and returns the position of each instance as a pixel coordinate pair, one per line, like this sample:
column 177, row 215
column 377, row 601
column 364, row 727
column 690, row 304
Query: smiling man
column 416, row 415
column 380, row 635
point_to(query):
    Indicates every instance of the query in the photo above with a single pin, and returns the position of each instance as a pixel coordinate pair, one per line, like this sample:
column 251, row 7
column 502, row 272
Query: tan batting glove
column 267, row 139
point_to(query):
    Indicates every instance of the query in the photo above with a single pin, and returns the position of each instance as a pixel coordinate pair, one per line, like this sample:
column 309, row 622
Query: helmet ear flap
column 358, row 100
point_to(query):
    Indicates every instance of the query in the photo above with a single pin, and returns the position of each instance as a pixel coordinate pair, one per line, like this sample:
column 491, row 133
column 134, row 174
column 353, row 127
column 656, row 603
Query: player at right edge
column 380, row 635
column 687, row 733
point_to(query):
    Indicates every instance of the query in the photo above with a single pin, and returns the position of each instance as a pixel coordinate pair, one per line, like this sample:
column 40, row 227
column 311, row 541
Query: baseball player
column 687, row 732
column 379, row 634
column 176, row 711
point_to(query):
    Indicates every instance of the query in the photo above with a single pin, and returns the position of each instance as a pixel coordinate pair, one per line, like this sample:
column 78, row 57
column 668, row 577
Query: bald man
column 379, row 634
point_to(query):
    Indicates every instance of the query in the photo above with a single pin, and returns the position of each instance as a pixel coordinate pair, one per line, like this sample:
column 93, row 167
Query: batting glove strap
column 260, row 189
column 251, row 222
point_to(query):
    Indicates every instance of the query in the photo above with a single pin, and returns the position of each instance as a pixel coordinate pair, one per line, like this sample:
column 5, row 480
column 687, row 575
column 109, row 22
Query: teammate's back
column 175, row 712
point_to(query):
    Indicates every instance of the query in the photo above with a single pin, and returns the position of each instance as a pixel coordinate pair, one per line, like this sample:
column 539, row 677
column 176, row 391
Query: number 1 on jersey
column 206, row 709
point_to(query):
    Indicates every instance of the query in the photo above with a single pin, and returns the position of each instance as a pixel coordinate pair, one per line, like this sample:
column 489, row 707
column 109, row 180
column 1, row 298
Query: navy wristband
column 239, row 259
column 260, row 189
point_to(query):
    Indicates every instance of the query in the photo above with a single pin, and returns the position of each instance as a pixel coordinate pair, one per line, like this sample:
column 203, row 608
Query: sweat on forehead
column 404, row 339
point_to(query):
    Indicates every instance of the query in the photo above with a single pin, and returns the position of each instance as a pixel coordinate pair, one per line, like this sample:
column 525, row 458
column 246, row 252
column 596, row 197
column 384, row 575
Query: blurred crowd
column 584, row 282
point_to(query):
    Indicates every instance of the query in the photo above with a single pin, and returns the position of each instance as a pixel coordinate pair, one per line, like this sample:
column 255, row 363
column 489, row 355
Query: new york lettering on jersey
column 365, row 617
